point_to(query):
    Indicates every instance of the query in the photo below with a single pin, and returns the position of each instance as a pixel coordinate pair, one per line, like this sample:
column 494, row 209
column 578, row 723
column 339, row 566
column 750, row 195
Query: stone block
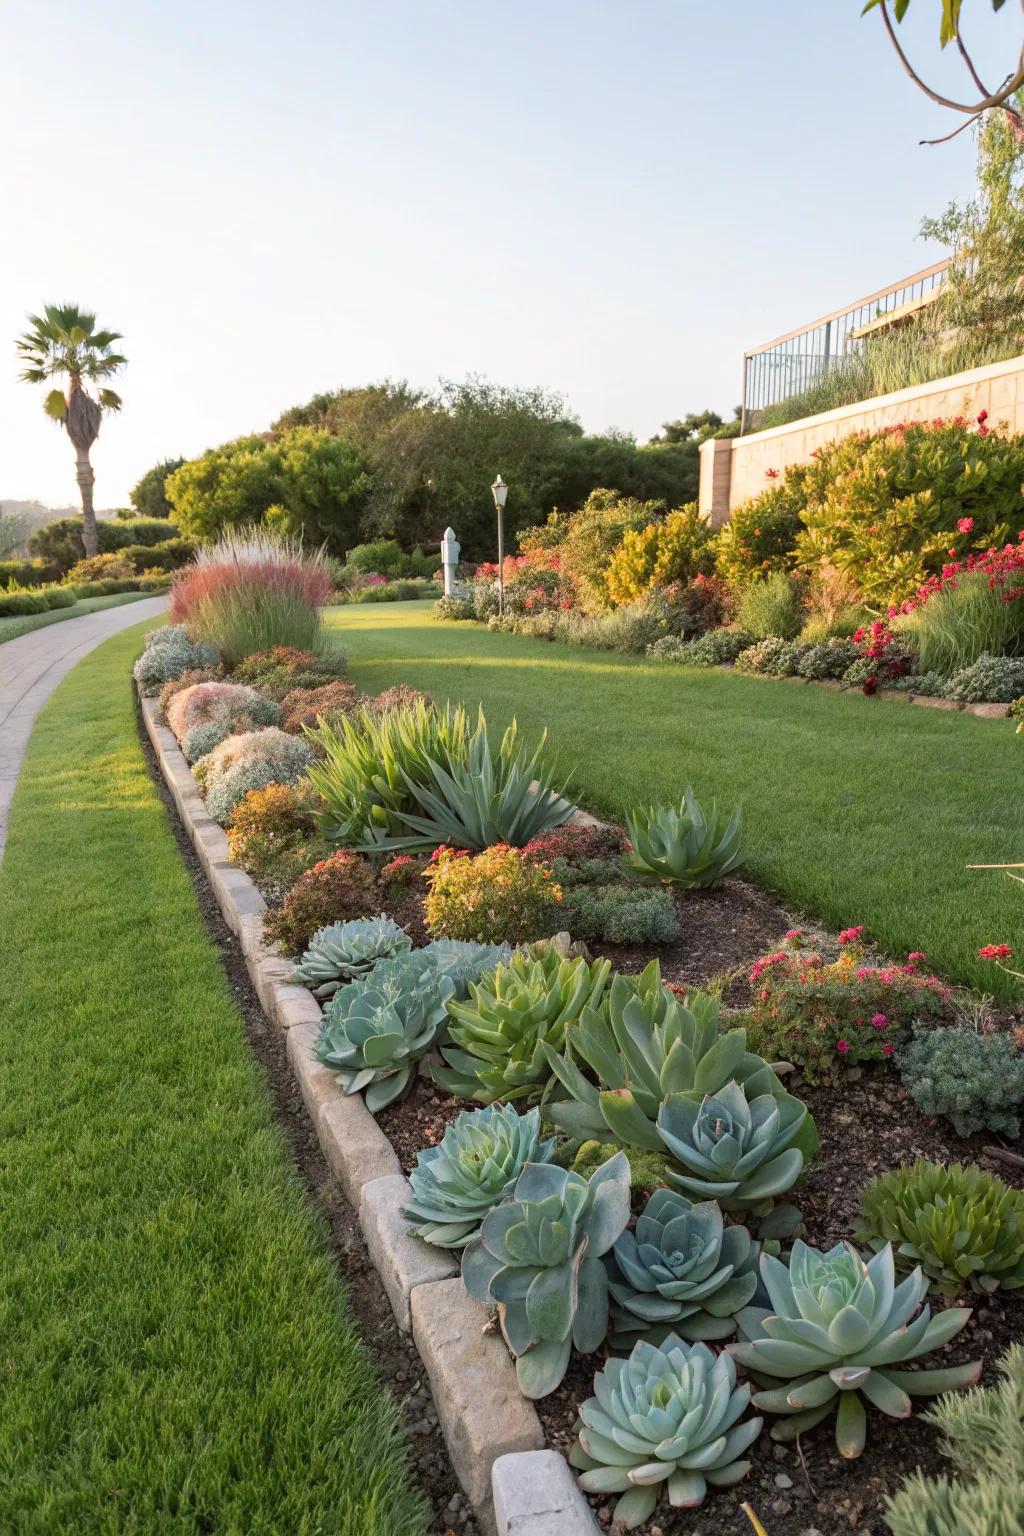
column 401, row 1260
column 482, row 1412
column 317, row 1083
column 536, row 1494
column 268, row 972
column 291, row 1006
column 235, row 893
column 356, row 1149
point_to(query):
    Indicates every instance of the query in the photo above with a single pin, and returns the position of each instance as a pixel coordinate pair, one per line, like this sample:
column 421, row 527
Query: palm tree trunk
column 86, row 479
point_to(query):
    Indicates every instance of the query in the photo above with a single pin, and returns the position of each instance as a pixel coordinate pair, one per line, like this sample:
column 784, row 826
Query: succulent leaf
column 343, row 951
column 682, row 845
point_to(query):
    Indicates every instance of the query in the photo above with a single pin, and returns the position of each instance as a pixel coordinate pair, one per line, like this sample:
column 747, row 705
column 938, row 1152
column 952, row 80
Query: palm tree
column 63, row 342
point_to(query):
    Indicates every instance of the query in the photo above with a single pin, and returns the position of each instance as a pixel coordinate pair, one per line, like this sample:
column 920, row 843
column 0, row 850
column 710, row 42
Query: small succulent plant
column 962, row 1225
column 666, row 1418
column 834, row 1332
column 376, row 1031
column 538, row 1257
column 682, row 1271
column 342, row 951
column 474, row 1167
column 642, row 1043
column 683, row 845
column 740, row 1152
column 463, row 962
column 500, row 1031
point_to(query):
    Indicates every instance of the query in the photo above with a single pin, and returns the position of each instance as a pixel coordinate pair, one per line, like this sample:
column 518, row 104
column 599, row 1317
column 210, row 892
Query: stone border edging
column 516, row 1486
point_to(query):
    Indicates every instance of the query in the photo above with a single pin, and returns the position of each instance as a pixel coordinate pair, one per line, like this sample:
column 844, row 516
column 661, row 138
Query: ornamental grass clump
column 473, row 1168
column 252, row 590
column 665, row 1420
column 538, row 1258
column 682, row 845
column 682, row 1271
column 639, row 1042
column 495, row 897
column 380, row 1026
column 964, row 1226
column 499, row 1033
column 346, row 950
column 834, row 1331
column 742, row 1152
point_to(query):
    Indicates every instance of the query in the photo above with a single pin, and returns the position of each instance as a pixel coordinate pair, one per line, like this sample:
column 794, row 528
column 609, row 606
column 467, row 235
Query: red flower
column 887, row 1049
column 851, row 935
column 771, row 474
column 981, row 418
column 879, row 1020
column 995, row 952
column 842, row 1046
column 965, row 525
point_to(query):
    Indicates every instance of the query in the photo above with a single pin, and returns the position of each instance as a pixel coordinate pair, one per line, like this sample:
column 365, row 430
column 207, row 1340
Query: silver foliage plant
column 342, row 951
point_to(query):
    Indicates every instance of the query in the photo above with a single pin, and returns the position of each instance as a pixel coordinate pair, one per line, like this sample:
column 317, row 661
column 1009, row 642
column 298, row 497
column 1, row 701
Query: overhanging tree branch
column 972, row 110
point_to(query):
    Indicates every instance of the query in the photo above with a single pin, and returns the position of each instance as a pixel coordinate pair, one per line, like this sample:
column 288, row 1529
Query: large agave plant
column 834, row 1332
column 682, row 1271
column 376, row 1032
column 666, row 1418
column 500, row 1031
column 642, row 1044
column 741, row 1152
column 538, row 1257
column 683, row 845
column 474, row 1167
column 342, row 951
column 962, row 1225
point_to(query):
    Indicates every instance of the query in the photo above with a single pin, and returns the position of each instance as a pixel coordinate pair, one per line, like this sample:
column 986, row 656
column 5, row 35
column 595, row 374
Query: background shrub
column 28, row 573
column 761, row 535
column 60, row 543
column 770, row 606
column 675, row 548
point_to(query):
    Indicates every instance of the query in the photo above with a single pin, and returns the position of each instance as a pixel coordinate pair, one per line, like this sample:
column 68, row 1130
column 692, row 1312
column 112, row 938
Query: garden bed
column 867, row 1127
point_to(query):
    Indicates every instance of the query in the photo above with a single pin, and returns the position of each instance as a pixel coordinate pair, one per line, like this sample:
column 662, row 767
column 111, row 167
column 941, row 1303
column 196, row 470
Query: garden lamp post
column 499, row 490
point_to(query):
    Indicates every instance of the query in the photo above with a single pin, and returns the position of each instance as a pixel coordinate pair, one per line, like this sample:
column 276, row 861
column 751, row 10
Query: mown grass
column 856, row 810
column 22, row 624
column 177, row 1354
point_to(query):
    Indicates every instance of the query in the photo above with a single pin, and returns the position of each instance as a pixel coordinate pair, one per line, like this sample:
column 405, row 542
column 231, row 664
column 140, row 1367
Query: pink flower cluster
column 851, row 935
column 995, row 952
column 1003, row 567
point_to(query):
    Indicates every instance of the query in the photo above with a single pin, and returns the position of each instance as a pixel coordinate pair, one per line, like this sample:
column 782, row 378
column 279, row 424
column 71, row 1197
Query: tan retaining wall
column 734, row 469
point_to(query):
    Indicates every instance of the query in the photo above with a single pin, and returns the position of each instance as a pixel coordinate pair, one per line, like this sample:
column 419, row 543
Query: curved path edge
column 31, row 667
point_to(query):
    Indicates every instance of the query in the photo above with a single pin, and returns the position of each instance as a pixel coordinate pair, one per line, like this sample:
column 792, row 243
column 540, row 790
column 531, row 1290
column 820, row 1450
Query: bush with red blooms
column 575, row 843
column 882, row 656
column 284, row 668
column 825, row 1016
column 304, row 706
column 337, row 889
column 1003, row 568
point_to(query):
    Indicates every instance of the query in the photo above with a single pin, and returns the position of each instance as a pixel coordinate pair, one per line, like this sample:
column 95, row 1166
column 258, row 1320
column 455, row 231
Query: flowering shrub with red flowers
column 761, row 535
column 337, row 889
column 882, row 657
column 576, row 843
column 972, row 607
column 886, row 508
column 824, row 1016
column 491, row 897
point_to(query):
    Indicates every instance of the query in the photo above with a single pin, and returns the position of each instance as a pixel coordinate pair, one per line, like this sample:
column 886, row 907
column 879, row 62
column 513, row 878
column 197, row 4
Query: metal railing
column 791, row 363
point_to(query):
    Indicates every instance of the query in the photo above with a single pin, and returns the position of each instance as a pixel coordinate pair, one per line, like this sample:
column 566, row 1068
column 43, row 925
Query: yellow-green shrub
column 676, row 548
column 491, row 898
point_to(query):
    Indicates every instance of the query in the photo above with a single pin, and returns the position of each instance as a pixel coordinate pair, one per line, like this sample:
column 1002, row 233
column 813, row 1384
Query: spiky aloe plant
column 642, row 1044
column 342, row 951
column 500, row 1031
column 683, row 845
column 742, row 1153
column 666, row 1418
column 962, row 1225
column 836, row 1328
column 538, row 1258
column 473, row 1169
column 682, row 1271
column 375, row 1033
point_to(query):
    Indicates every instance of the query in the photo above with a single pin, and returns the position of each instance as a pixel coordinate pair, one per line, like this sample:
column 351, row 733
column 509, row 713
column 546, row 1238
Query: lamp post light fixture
column 499, row 490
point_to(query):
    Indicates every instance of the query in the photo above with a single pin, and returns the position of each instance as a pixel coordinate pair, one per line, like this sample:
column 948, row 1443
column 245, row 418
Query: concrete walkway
column 30, row 669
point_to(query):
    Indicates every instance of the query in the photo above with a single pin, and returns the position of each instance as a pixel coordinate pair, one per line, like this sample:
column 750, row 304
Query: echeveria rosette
column 682, row 1271
column 374, row 1036
column 342, row 951
column 665, row 1419
column 742, row 1153
column 473, row 1168
column 642, row 1043
column 836, row 1329
column 538, row 1258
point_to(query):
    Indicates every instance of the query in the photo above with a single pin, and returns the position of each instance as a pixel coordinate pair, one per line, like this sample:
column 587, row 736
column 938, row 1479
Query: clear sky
column 612, row 198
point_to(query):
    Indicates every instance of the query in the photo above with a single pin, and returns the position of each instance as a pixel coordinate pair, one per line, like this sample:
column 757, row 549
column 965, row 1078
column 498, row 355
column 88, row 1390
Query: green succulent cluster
column 962, row 1225
column 682, row 1271
column 642, row 1044
column 473, row 1168
column 834, row 1332
column 683, row 845
column 665, row 1419
column 742, row 1152
column 343, row 951
column 500, row 1031
column 378, row 1028
column 538, row 1258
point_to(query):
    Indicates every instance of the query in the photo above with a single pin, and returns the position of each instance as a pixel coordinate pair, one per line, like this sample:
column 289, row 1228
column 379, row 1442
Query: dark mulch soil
column 393, row 1351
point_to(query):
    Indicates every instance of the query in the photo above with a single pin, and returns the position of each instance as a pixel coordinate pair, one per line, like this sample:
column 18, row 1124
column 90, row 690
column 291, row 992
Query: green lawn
column 15, row 625
column 177, row 1354
column 857, row 810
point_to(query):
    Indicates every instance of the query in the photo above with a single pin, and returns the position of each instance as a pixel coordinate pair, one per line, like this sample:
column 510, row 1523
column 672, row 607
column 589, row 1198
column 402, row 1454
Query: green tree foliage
column 61, row 543
column 148, row 496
